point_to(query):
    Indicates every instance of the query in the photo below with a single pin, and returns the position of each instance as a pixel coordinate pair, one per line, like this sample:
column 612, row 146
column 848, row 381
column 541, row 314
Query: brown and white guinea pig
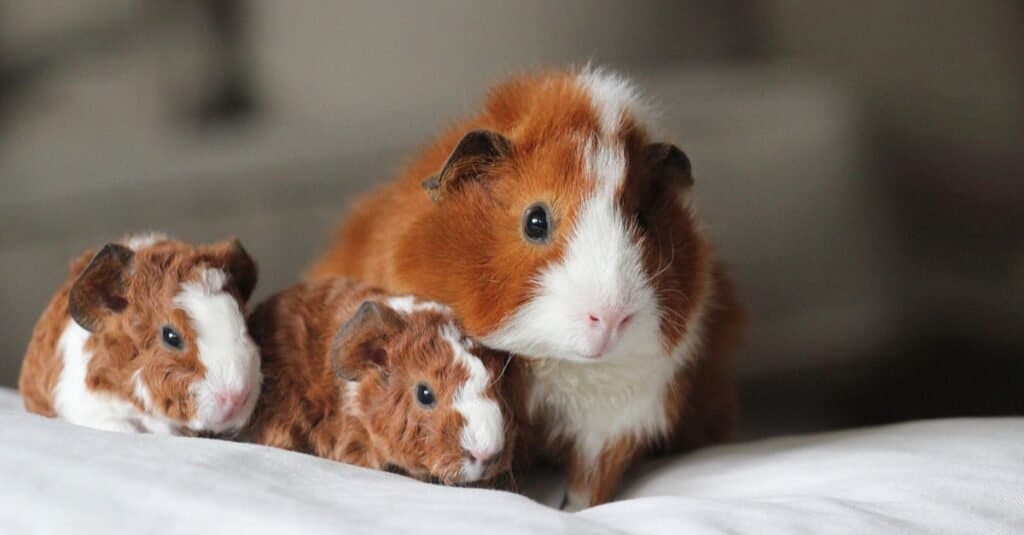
column 356, row 375
column 557, row 228
column 148, row 335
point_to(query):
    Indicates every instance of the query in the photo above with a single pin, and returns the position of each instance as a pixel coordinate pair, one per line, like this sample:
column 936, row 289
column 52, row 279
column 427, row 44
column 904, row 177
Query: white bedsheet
column 948, row 476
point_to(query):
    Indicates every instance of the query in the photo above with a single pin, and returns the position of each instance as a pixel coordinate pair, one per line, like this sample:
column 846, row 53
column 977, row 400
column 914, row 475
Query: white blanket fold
column 945, row 476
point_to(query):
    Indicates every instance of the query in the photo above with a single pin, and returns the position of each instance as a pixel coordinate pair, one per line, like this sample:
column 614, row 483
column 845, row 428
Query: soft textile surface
column 951, row 476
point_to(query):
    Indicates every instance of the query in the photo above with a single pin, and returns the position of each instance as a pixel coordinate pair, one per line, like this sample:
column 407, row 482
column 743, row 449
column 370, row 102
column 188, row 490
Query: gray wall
column 807, row 123
column 94, row 147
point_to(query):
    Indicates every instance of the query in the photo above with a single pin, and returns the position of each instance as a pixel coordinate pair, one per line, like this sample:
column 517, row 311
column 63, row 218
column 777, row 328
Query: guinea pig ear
column 241, row 268
column 469, row 161
column 360, row 344
column 669, row 166
column 100, row 289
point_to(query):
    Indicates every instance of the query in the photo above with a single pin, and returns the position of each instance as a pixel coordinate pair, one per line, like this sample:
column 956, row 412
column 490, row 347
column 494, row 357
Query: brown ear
column 241, row 268
column 360, row 344
column 100, row 289
column 469, row 161
column 669, row 166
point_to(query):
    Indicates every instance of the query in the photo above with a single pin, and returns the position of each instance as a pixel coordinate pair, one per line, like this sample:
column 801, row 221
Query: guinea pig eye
column 171, row 337
column 537, row 223
column 425, row 396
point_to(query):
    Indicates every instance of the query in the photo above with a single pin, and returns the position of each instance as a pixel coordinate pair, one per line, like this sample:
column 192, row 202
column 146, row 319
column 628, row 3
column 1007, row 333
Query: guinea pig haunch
column 148, row 334
column 355, row 375
column 558, row 228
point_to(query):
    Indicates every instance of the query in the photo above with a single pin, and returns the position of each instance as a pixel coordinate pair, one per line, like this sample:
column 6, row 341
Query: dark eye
column 537, row 223
column 425, row 396
column 171, row 337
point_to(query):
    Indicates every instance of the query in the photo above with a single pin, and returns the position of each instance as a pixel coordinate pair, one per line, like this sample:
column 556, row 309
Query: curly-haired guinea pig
column 148, row 335
column 355, row 375
column 557, row 228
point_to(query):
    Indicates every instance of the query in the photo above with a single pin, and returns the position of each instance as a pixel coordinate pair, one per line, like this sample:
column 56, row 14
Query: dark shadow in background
column 956, row 223
column 229, row 96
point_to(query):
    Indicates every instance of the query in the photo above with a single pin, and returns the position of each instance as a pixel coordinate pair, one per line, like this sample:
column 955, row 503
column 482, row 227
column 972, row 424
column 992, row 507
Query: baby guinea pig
column 355, row 375
column 148, row 335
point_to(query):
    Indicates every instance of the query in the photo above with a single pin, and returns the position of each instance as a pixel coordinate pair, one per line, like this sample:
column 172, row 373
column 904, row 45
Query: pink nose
column 604, row 328
column 482, row 456
column 231, row 402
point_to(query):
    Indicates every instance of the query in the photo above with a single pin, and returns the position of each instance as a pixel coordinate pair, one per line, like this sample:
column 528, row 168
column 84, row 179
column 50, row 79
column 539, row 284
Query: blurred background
column 860, row 164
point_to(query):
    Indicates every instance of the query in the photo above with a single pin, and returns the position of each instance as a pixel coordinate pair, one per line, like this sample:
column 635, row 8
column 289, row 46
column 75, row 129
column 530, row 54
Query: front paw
column 117, row 426
column 574, row 502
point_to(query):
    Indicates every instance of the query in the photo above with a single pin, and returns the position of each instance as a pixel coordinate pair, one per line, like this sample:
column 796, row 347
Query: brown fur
column 304, row 405
column 127, row 341
column 466, row 250
column 601, row 481
column 40, row 370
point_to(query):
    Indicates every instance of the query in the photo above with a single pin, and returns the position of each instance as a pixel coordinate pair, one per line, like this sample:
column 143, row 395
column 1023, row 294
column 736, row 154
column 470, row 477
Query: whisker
column 673, row 313
column 503, row 368
column 671, row 260
column 673, row 317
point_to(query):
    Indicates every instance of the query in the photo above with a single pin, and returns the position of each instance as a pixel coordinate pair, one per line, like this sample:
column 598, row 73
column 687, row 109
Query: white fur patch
column 613, row 98
column 74, row 402
column 141, row 391
column 350, row 402
column 407, row 304
column 227, row 352
column 484, row 428
column 605, row 163
column 137, row 242
column 576, row 501
column 596, row 403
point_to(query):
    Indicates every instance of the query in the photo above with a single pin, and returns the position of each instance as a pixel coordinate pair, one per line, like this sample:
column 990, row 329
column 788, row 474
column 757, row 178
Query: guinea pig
column 355, row 375
column 148, row 335
column 558, row 229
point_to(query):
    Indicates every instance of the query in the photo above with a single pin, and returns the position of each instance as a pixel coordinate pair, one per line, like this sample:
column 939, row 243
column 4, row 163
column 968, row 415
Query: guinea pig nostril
column 593, row 318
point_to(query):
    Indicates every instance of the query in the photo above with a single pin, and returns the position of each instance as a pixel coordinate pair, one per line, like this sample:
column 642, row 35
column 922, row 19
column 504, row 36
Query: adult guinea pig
column 355, row 375
column 557, row 228
column 148, row 335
